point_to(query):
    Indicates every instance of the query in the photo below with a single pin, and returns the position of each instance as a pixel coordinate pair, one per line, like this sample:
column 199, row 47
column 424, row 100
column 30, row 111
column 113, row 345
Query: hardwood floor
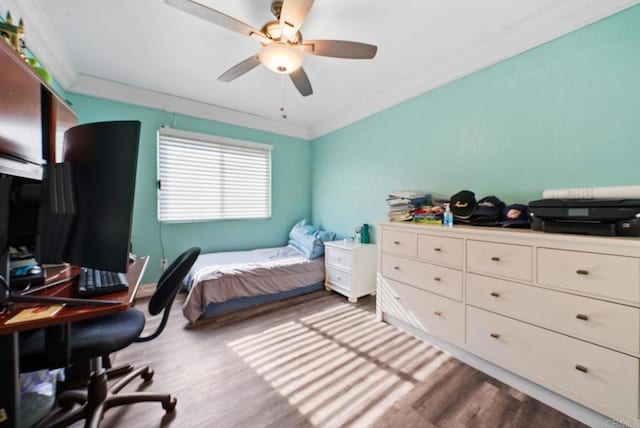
column 315, row 361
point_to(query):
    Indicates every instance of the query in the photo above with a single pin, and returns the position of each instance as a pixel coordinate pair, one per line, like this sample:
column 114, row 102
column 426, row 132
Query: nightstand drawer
column 436, row 315
column 400, row 243
column 513, row 261
column 339, row 277
column 605, row 275
column 338, row 257
column 602, row 379
column 436, row 279
column 440, row 249
column 603, row 323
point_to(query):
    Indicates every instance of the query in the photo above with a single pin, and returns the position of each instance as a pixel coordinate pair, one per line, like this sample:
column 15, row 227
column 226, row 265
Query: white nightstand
column 350, row 268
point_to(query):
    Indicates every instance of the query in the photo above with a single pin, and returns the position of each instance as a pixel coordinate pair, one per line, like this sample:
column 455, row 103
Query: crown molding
column 484, row 54
column 43, row 40
column 115, row 91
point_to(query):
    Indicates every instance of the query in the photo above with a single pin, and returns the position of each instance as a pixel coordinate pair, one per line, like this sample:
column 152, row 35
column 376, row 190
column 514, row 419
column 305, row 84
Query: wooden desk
column 9, row 343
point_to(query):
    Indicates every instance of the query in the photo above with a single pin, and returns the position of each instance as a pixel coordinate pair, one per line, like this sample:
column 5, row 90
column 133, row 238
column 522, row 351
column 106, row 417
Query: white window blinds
column 205, row 177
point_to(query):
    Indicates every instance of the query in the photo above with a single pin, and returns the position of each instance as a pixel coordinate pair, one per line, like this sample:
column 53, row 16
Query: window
column 205, row 177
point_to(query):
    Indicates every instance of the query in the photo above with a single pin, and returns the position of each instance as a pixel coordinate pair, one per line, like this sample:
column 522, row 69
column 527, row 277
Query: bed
column 224, row 282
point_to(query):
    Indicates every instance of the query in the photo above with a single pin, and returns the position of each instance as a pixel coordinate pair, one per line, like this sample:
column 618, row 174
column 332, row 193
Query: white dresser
column 562, row 311
column 350, row 268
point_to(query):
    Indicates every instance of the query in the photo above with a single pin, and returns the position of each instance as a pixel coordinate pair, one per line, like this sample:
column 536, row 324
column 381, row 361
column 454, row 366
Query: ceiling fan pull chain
column 282, row 110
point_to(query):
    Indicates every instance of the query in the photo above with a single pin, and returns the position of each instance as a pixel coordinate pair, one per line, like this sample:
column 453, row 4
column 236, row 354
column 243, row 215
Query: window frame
column 219, row 143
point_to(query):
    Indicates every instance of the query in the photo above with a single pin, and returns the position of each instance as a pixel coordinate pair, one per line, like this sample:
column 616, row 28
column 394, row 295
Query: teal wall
column 291, row 181
column 565, row 114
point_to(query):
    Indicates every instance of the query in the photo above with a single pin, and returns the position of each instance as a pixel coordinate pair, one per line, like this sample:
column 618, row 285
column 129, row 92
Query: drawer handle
column 437, row 249
column 438, row 313
column 339, row 259
column 396, row 242
column 495, row 259
column 494, row 294
column 582, row 369
column 396, row 297
column 582, row 317
column 437, row 279
column 582, row 272
column 495, row 335
column 396, row 267
column 339, row 278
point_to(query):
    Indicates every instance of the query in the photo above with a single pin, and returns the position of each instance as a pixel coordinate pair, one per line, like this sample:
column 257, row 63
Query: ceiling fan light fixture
column 281, row 57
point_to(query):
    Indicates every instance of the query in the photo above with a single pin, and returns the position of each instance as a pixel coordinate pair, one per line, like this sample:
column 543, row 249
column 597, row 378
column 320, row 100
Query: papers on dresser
column 614, row 192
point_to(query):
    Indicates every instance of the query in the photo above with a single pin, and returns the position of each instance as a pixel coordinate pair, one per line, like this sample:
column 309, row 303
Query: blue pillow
column 300, row 229
column 308, row 239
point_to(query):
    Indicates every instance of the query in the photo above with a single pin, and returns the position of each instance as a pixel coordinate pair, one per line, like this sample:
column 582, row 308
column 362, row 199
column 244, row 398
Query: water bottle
column 447, row 218
column 365, row 234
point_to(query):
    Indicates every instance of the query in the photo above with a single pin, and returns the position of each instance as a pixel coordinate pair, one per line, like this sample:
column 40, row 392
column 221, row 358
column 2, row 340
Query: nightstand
column 350, row 268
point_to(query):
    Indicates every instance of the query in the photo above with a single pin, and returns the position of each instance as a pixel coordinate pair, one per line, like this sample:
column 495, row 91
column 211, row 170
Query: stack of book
column 403, row 204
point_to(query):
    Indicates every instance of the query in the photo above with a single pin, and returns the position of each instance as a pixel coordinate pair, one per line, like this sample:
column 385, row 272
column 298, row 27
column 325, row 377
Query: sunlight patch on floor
column 340, row 367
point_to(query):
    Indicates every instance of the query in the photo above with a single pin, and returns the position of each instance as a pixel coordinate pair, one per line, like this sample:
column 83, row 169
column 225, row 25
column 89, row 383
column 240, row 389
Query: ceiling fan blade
column 240, row 69
column 340, row 49
column 218, row 18
column 293, row 14
column 301, row 81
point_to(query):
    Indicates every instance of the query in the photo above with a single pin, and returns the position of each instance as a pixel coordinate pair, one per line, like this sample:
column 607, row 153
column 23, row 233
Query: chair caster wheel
column 170, row 406
column 147, row 374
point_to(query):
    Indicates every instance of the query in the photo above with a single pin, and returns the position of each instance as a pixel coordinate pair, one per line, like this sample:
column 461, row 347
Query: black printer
column 607, row 217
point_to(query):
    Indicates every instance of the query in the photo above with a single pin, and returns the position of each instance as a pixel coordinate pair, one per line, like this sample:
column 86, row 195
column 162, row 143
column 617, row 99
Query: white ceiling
column 149, row 53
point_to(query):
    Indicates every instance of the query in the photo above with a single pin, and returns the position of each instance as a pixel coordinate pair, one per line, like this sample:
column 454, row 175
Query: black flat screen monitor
column 24, row 203
column 104, row 157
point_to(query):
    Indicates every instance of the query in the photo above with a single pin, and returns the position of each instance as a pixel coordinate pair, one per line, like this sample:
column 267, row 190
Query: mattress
column 220, row 277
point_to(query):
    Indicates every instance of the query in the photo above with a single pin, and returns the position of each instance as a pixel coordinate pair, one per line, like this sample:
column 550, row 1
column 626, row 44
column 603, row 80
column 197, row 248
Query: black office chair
column 95, row 338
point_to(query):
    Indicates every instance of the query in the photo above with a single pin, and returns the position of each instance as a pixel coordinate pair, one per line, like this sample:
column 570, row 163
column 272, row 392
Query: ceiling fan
column 283, row 48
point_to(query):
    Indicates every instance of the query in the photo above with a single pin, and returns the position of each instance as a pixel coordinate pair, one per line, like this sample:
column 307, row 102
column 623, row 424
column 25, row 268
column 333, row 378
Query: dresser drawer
column 388, row 302
column 437, row 279
column 338, row 277
column 338, row 257
column 440, row 249
column 434, row 314
column 596, row 321
column 602, row 379
column 512, row 261
column 604, row 275
column 400, row 243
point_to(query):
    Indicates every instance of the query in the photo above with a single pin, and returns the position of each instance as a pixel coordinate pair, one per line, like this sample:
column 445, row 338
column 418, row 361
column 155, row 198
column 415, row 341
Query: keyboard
column 94, row 282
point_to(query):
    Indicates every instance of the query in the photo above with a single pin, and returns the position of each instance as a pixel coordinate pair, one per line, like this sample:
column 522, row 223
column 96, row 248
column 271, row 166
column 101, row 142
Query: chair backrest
column 168, row 286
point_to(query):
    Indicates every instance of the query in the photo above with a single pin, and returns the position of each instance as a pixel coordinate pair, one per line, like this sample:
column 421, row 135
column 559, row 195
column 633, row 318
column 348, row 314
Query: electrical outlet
column 163, row 264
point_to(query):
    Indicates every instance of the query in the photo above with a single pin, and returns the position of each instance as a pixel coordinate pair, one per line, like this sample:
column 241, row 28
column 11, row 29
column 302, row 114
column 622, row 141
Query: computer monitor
column 104, row 159
column 24, row 204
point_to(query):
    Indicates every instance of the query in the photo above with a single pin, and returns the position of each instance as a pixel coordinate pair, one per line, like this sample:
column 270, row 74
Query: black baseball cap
column 515, row 215
column 489, row 206
column 488, row 211
column 463, row 204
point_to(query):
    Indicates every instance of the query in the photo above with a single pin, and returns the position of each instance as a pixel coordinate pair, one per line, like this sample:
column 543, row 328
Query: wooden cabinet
column 560, row 310
column 350, row 268
column 58, row 117
column 34, row 117
column 20, row 115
